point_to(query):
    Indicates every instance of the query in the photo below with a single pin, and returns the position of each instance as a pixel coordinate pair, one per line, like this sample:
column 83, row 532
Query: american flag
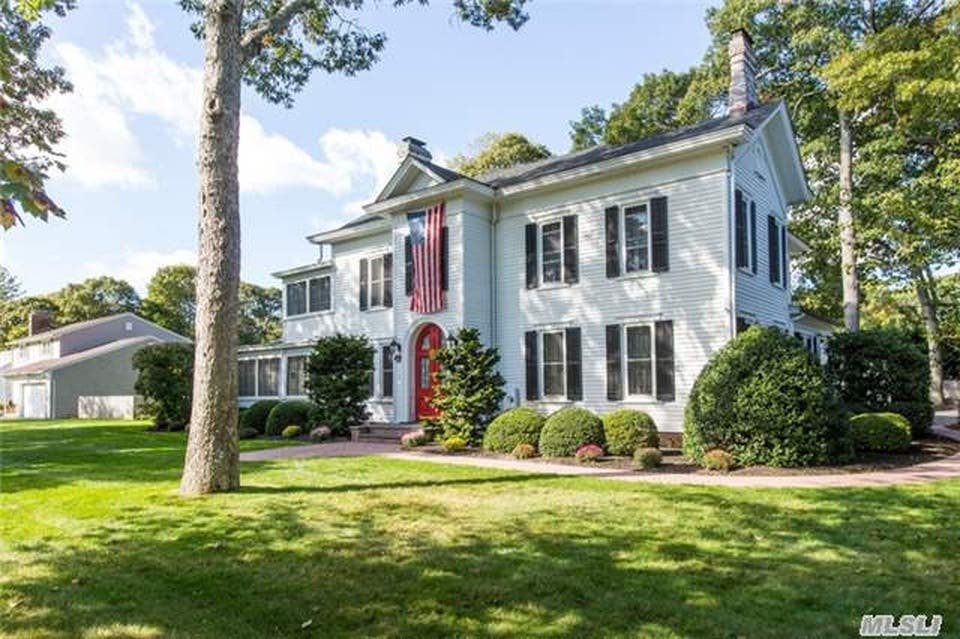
column 426, row 228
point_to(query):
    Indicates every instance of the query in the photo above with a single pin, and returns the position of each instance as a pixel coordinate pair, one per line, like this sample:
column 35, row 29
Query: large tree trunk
column 927, row 297
column 848, row 238
column 212, row 461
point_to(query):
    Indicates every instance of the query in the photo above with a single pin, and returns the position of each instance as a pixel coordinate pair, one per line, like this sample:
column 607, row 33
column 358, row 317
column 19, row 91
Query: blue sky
column 130, row 189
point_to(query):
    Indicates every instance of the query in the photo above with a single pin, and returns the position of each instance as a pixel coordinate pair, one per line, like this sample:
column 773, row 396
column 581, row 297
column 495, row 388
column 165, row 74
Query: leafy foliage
column 499, row 151
column 588, row 454
column 165, row 380
column 719, row 460
column 454, row 444
column 880, row 432
column 524, row 451
column 873, row 369
column 28, row 131
column 291, row 432
column 647, row 457
column 513, row 427
column 14, row 315
column 567, row 430
column 338, row 380
column 287, row 413
column 95, row 297
column 628, row 429
column 9, row 285
column 260, row 312
column 255, row 417
column 469, row 387
column 763, row 399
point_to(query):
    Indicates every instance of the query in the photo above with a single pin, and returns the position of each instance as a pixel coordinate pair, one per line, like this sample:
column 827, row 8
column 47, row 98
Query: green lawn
column 94, row 542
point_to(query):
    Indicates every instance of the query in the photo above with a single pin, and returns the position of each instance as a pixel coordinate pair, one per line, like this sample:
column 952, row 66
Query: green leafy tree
column 171, row 299
column 338, row 380
column 588, row 130
column 95, row 297
column 260, row 308
column 272, row 46
column 469, row 387
column 28, row 131
column 14, row 315
column 165, row 380
column 9, row 285
column 499, row 151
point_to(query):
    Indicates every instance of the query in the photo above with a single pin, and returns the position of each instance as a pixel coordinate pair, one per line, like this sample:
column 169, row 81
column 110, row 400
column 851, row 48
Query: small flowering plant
column 414, row 439
column 588, row 453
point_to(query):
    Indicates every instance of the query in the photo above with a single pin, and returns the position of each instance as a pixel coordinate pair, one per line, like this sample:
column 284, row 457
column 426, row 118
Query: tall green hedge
column 338, row 380
column 765, row 401
column 165, row 380
column 881, row 370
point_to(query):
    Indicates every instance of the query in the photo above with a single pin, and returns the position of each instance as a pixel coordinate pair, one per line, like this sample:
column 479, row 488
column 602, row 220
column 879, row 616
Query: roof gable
column 783, row 155
column 415, row 174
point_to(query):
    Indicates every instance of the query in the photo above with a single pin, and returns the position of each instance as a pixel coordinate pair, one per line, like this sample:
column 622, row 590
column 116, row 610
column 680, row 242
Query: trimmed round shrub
column 627, row 429
column 512, row 428
column 524, row 451
column 718, row 459
column 919, row 414
column 588, row 453
column 647, row 457
column 248, row 433
column 766, row 402
column 255, row 416
column 291, row 411
column 454, row 444
column 880, row 432
column 291, row 432
column 414, row 439
column 567, row 430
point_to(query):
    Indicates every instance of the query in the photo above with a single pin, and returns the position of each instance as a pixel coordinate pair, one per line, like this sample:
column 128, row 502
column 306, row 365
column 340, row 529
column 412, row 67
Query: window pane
column 268, row 377
column 553, row 364
column 247, row 378
column 552, row 246
column 297, row 298
column 386, row 371
column 376, row 282
column 635, row 238
column 639, row 361
column 315, row 294
column 553, row 347
column 295, row 375
column 325, row 300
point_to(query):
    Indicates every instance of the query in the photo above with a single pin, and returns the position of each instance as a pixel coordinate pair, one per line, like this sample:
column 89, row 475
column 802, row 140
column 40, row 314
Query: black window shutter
column 611, row 226
column 740, row 219
column 407, row 265
column 444, row 258
column 784, row 256
column 614, row 368
column 388, row 280
column 530, row 355
column 574, row 364
column 363, row 285
column 773, row 246
column 753, row 237
column 659, row 235
column 530, row 234
column 571, row 267
column 664, row 344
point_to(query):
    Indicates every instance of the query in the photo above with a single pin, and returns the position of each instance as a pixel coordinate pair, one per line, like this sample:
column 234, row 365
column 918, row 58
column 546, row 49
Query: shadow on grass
column 396, row 485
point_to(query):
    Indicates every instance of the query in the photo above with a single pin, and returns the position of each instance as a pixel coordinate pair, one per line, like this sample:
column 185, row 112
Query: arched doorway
column 429, row 339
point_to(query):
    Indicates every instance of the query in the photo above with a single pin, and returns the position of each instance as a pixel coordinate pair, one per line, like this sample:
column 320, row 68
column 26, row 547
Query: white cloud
column 131, row 76
column 137, row 267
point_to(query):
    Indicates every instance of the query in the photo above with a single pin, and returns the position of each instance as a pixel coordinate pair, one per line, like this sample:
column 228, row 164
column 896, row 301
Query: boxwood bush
column 881, row 370
column 288, row 413
column 627, row 429
column 512, row 428
column 880, row 432
column 255, row 416
column 765, row 401
column 567, row 430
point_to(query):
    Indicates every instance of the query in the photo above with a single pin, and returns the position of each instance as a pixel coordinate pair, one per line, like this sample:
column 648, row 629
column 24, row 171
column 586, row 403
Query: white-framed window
column 551, row 252
column 296, row 375
column 635, row 227
column 553, row 364
column 638, row 360
column 247, row 378
column 268, row 377
column 320, row 294
column 378, row 285
column 296, row 298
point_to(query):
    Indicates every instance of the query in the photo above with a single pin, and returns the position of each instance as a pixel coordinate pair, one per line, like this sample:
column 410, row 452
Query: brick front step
column 381, row 433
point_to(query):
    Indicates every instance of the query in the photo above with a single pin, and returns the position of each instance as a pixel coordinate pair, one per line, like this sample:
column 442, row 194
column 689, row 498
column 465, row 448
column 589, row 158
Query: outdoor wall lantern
column 395, row 350
column 451, row 340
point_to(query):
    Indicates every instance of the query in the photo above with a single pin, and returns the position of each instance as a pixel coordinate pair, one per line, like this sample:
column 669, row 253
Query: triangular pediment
column 411, row 176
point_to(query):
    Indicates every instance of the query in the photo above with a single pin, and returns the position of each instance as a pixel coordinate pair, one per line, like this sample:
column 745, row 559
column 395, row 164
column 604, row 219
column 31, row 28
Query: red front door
column 425, row 369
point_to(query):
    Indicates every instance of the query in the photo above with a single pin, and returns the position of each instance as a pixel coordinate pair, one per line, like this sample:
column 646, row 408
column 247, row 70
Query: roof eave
column 352, row 232
column 300, row 270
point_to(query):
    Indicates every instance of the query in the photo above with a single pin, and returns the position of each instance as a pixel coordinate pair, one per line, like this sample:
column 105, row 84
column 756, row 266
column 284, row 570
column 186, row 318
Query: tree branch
column 252, row 39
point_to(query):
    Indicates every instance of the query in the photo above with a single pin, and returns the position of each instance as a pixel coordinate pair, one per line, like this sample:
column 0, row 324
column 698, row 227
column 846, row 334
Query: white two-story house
column 606, row 278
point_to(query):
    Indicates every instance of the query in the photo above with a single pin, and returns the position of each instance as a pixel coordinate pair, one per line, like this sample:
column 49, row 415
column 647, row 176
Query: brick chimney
column 39, row 322
column 413, row 146
column 743, row 73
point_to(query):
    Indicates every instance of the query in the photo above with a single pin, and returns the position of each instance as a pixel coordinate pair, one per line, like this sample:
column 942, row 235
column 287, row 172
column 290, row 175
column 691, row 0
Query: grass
column 94, row 542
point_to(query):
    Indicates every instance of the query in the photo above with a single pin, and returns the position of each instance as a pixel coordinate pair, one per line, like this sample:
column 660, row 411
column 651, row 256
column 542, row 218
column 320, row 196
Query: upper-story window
column 309, row 296
column 376, row 282
column 777, row 252
column 636, row 237
column 745, row 214
column 552, row 252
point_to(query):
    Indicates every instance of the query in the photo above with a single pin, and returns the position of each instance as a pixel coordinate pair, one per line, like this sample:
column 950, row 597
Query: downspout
column 494, row 220
column 731, row 240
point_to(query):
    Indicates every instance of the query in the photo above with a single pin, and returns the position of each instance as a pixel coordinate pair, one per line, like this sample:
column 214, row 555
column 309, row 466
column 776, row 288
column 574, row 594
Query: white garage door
column 34, row 401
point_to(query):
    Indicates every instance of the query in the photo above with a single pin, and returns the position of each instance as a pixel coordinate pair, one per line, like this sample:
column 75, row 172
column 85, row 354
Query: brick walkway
column 920, row 473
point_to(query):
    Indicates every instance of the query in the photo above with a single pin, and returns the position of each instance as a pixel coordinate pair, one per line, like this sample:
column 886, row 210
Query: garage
column 34, row 400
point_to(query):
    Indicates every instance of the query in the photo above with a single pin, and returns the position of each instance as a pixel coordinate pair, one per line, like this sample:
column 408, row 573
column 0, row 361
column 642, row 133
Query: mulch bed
column 924, row 450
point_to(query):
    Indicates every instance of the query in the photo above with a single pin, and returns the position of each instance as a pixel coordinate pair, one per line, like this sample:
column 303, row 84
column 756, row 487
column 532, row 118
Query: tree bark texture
column 848, row 239
column 212, row 459
column 927, row 298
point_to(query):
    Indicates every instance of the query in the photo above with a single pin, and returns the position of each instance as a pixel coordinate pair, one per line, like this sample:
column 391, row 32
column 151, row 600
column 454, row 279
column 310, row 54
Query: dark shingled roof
column 559, row 163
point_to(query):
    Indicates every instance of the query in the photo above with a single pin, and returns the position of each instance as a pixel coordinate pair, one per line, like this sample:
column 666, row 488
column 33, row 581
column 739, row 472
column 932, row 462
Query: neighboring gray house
column 45, row 374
